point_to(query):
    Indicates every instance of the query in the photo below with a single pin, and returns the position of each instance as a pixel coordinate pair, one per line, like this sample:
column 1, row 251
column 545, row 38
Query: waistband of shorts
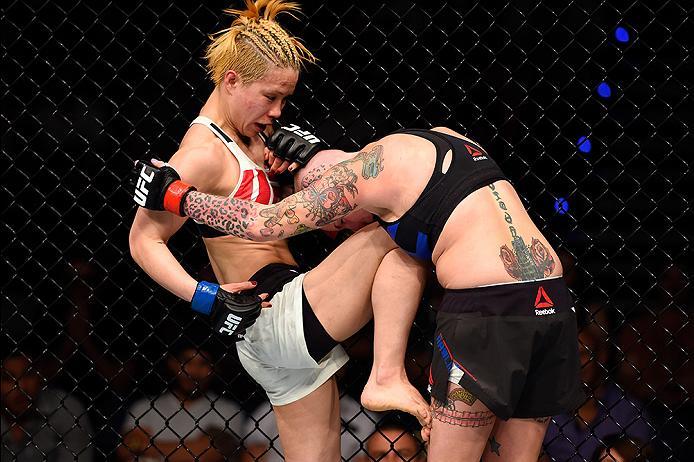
column 530, row 298
column 272, row 277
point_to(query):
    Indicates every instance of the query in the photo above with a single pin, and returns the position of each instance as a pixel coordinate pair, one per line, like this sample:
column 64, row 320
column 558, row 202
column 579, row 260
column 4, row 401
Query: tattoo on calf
column 494, row 445
column 523, row 262
column 443, row 413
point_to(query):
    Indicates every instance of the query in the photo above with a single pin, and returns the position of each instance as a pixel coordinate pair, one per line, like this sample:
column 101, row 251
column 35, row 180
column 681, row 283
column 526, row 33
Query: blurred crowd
column 84, row 394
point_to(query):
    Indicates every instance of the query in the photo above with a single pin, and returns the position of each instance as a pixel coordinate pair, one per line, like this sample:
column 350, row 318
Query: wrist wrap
column 175, row 196
column 204, row 297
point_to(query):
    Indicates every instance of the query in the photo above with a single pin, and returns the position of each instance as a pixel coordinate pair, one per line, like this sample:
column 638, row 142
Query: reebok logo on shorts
column 543, row 304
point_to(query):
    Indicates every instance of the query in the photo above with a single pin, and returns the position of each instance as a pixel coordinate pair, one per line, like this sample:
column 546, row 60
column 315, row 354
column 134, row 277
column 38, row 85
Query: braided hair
column 254, row 41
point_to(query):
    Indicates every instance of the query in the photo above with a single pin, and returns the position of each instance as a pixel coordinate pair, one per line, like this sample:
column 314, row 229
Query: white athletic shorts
column 274, row 351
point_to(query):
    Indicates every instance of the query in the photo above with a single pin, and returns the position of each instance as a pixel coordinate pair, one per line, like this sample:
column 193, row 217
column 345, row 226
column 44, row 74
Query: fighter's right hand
column 231, row 312
column 159, row 188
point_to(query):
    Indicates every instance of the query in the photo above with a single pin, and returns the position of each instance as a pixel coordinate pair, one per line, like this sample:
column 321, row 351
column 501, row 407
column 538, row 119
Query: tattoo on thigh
column 542, row 419
column 443, row 413
column 460, row 394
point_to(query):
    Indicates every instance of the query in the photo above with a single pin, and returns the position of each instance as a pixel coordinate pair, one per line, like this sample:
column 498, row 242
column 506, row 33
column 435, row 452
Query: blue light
column 584, row 144
column 604, row 90
column 621, row 34
column 561, row 206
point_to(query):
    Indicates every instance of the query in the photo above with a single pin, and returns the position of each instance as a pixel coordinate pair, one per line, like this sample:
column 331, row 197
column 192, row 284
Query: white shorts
column 274, row 350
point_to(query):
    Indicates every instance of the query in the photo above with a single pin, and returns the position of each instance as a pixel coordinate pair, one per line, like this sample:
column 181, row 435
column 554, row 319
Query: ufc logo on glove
column 230, row 324
column 305, row 134
column 141, row 191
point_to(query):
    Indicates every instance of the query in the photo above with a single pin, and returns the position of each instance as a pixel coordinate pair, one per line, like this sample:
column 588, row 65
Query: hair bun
column 261, row 10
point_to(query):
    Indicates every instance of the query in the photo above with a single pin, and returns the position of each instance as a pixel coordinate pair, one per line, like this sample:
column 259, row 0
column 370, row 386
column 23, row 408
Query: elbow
column 134, row 242
column 258, row 233
column 141, row 244
column 255, row 236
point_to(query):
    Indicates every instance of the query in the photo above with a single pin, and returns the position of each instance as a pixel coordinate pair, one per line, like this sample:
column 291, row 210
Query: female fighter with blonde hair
column 292, row 349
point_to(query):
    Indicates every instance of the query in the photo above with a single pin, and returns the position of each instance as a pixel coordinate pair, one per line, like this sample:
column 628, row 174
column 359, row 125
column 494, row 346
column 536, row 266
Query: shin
column 310, row 427
column 396, row 295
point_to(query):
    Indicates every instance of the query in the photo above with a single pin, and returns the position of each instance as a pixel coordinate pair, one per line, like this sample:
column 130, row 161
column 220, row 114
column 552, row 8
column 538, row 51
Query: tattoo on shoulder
column 372, row 162
column 523, row 262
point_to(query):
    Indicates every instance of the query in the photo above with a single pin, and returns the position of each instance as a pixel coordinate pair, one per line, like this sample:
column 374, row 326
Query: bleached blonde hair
column 254, row 41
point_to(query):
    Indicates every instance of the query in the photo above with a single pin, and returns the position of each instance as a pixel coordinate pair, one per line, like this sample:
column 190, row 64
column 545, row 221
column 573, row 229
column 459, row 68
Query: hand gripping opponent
column 159, row 188
column 291, row 143
column 232, row 313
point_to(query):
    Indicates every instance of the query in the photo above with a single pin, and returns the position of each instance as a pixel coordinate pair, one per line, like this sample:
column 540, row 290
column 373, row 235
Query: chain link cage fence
column 585, row 104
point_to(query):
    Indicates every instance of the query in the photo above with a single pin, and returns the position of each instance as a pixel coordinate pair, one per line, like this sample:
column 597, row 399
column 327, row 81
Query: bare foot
column 398, row 394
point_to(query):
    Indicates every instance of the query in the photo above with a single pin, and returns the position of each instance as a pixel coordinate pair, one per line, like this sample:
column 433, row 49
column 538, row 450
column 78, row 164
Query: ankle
column 388, row 374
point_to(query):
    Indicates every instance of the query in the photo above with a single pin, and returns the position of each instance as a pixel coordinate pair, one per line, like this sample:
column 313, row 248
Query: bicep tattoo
column 313, row 175
column 523, row 262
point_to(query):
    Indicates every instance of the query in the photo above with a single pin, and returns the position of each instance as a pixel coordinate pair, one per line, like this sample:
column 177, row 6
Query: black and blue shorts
column 513, row 346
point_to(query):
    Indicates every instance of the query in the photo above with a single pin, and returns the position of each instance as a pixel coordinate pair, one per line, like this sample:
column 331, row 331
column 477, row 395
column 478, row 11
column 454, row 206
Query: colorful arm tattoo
column 523, row 262
column 320, row 203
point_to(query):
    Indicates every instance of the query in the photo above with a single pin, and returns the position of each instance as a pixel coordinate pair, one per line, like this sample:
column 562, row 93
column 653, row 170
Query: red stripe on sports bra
column 265, row 193
column 246, row 187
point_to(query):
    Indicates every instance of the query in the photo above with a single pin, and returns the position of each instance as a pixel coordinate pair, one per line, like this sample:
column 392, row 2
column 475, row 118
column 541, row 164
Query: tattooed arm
column 342, row 189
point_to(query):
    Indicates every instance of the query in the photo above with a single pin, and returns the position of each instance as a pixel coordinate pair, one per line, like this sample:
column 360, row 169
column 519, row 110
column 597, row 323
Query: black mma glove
column 159, row 188
column 291, row 143
column 231, row 313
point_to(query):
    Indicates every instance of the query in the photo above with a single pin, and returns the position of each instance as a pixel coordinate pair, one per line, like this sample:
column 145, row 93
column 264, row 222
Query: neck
column 213, row 109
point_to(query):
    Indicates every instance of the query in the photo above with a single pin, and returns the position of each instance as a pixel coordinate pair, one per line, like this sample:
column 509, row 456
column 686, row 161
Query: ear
column 231, row 80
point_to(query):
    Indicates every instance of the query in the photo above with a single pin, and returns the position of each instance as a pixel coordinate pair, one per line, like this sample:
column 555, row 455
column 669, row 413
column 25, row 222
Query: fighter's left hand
column 293, row 144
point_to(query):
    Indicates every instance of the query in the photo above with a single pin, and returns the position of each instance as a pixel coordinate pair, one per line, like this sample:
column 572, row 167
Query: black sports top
column 418, row 230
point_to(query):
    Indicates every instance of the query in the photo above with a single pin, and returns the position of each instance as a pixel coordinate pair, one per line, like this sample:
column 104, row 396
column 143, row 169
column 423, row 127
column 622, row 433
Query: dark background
column 88, row 87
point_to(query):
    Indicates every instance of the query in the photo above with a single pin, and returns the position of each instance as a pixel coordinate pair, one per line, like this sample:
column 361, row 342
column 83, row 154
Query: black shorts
column 513, row 346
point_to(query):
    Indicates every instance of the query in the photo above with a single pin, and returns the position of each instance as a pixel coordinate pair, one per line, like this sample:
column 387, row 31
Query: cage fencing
column 585, row 105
